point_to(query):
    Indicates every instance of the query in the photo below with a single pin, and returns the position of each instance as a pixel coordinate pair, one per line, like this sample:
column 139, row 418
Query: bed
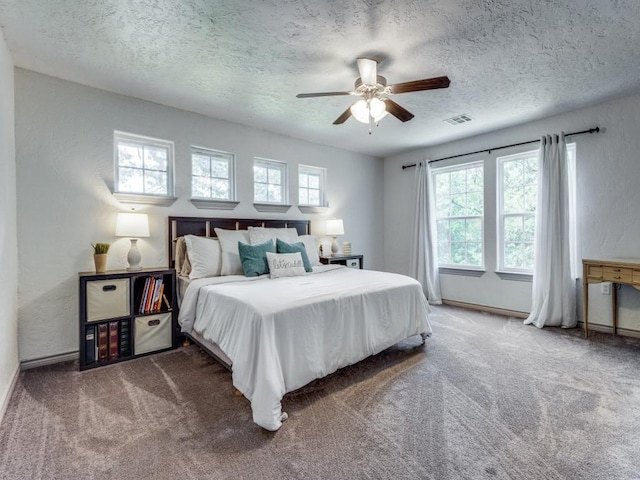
column 278, row 334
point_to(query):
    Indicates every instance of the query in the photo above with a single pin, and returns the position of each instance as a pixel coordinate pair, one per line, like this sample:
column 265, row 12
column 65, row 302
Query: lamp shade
column 133, row 225
column 335, row 227
column 377, row 108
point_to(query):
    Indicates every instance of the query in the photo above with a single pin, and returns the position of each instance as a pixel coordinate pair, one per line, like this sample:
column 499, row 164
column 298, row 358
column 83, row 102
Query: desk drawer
column 595, row 273
column 617, row 274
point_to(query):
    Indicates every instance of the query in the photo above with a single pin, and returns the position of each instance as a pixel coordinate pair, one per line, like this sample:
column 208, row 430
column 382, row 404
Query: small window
column 269, row 181
column 311, row 187
column 459, row 198
column 144, row 165
column 212, row 174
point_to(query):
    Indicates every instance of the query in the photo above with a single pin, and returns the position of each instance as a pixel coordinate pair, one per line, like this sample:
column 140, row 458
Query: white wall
column 608, row 217
column 64, row 151
column 8, row 230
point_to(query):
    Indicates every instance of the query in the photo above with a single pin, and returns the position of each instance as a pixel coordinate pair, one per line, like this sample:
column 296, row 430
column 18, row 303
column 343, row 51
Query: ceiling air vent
column 457, row 120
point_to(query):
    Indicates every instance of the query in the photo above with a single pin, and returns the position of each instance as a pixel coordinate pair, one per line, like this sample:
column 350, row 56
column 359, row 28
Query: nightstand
column 126, row 314
column 351, row 261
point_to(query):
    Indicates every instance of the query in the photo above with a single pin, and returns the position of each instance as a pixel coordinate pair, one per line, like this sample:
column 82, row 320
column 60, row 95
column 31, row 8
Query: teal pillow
column 284, row 247
column 254, row 257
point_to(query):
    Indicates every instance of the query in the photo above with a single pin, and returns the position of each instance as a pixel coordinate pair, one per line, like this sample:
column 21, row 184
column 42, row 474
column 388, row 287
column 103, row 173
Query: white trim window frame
column 459, row 207
column 269, row 181
column 212, row 174
column 311, row 186
column 143, row 165
column 517, row 197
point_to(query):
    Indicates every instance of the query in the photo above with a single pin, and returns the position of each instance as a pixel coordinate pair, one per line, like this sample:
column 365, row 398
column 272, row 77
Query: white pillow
column 262, row 234
column 229, row 239
column 311, row 245
column 204, row 255
column 285, row 264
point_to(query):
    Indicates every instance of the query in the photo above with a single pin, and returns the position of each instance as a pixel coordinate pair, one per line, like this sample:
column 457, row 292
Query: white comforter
column 282, row 333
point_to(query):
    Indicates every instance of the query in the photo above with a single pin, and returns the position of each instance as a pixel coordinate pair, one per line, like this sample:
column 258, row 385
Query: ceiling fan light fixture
column 377, row 108
column 360, row 111
column 364, row 110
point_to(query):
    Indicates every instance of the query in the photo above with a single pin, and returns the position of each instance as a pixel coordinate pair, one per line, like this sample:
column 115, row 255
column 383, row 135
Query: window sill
column 271, row 207
column 214, row 204
column 516, row 276
column 467, row 272
column 160, row 200
column 312, row 209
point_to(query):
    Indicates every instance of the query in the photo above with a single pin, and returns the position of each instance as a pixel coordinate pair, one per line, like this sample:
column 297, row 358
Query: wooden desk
column 616, row 271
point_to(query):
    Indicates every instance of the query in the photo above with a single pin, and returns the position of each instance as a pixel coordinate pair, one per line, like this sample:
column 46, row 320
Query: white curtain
column 424, row 260
column 554, row 295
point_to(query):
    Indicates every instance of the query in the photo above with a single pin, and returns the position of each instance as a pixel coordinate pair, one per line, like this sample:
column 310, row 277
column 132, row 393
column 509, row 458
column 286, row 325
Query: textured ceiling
column 244, row 61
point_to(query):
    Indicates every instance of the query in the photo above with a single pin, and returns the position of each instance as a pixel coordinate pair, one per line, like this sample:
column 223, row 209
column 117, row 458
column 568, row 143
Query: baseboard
column 485, row 308
column 595, row 327
column 4, row 401
column 623, row 332
column 41, row 362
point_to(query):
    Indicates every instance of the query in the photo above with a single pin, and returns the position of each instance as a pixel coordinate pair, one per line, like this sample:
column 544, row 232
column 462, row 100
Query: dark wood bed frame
column 204, row 227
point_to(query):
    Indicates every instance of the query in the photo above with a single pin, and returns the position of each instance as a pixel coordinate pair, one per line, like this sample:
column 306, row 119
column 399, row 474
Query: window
column 459, row 198
column 517, row 199
column 517, row 186
column 212, row 174
column 144, row 165
column 269, row 181
column 311, row 185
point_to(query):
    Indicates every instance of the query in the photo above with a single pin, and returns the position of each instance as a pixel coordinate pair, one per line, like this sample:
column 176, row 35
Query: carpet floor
column 486, row 398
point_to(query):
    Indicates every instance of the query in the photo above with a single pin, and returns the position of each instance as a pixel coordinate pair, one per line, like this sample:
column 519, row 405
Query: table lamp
column 134, row 226
column 335, row 227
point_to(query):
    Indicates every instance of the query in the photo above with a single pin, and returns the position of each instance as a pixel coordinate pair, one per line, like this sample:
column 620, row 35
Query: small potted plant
column 100, row 256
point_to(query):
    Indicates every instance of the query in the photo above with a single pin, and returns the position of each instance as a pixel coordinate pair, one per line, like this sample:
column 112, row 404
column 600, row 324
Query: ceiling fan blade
column 418, row 85
column 368, row 71
column 343, row 118
column 323, row 94
column 397, row 111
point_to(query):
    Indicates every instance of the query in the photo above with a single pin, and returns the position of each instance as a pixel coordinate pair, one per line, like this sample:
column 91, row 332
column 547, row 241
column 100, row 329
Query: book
column 103, row 342
column 113, row 340
column 156, row 293
column 152, row 283
column 139, row 291
column 159, row 301
column 90, row 344
column 143, row 302
column 125, row 349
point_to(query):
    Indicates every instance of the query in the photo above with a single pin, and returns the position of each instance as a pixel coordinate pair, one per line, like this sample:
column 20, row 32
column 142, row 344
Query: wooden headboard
column 204, row 227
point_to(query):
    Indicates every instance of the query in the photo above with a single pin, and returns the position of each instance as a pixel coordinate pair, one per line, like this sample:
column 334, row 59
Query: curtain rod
column 489, row 150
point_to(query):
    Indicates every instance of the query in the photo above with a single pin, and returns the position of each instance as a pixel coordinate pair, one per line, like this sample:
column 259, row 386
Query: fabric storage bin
column 151, row 333
column 107, row 299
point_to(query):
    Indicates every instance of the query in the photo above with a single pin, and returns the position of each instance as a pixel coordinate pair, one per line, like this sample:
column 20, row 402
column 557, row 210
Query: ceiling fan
column 374, row 92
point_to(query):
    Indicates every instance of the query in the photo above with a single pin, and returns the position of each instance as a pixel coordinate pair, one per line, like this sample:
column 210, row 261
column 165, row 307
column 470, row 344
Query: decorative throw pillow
column 284, row 247
column 229, row 245
column 311, row 244
column 285, row 264
column 260, row 234
column 254, row 257
column 183, row 266
column 204, row 255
